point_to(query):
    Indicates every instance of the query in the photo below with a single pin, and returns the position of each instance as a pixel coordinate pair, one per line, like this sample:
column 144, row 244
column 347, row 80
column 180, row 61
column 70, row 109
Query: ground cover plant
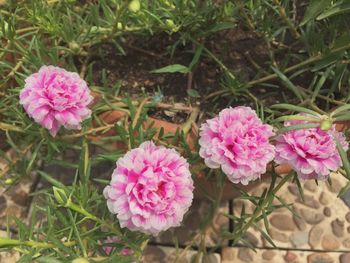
column 140, row 102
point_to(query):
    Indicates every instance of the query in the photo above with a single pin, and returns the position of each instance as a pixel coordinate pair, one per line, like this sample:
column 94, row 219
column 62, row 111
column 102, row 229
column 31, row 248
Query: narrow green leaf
column 340, row 8
column 340, row 109
column 193, row 93
column 314, row 9
column 285, row 205
column 344, row 189
column 196, row 57
column 288, row 83
column 294, row 108
column 343, row 117
column 266, row 221
column 51, row 180
column 172, row 69
column 320, row 83
column 220, row 26
column 327, row 60
column 298, row 127
column 300, row 188
column 266, row 236
column 297, row 117
column 344, row 158
column 34, row 156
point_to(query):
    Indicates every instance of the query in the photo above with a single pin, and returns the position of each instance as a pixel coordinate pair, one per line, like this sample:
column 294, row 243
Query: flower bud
column 60, row 195
column 326, row 125
column 171, row 25
column 74, row 46
column 134, row 6
column 9, row 181
column 120, row 26
column 169, row 4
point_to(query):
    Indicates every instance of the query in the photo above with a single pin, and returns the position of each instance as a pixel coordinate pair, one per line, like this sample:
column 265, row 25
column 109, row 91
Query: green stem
column 9, row 127
column 88, row 215
column 274, row 75
column 192, row 119
column 297, row 117
column 285, row 18
column 26, row 29
column 259, row 209
column 82, row 211
column 30, row 243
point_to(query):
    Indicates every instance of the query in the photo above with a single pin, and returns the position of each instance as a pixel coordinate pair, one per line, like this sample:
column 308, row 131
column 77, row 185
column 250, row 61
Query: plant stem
column 93, row 130
column 88, row 215
column 193, row 117
column 27, row 29
column 285, row 18
column 138, row 112
column 9, row 127
column 203, row 232
column 14, row 242
column 81, row 210
column 259, row 209
column 274, row 75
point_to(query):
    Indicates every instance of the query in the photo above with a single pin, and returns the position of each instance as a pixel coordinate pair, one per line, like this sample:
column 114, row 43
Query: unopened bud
column 326, row 125
column 171, row 25
column 60, row 195
column 9, row 181
column 134, row 6
column 74, row 46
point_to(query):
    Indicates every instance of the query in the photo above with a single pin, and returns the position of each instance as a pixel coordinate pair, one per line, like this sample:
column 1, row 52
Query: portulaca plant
column 151, row 188
column 52, row 111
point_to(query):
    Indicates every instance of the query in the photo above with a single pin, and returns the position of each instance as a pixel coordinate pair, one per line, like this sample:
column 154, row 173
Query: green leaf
column 344, row 158
column 343, row 117
column 84, row 165
column 220, row 26
column 300, row 188
column 288, row 83
column 193, row 93
column 265, row 235
column 327, row 60
column 297, row 117
column 344, row 189
column 341, row 7
column 291, row 107
column 314, row 9
column 320, row 83
column 298, row 127
column 196, row 57
column 34, row 155
column 52, row 180
column 172, row 69
column 340, row 109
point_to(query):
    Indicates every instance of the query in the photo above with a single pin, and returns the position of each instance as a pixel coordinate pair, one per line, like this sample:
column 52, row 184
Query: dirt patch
column 130, row 64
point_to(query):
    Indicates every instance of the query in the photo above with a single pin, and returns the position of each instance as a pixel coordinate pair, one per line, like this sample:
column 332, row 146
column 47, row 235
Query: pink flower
column 311, row 152
column 54, row 97
column 151, row 189
column 238, row 142
column 108, row 249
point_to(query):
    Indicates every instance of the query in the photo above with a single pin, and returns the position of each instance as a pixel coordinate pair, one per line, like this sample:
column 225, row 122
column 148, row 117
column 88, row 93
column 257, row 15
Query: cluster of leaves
column 308, row 54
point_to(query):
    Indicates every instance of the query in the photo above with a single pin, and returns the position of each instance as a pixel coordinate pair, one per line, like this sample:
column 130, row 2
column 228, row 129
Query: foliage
column 306, row 70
